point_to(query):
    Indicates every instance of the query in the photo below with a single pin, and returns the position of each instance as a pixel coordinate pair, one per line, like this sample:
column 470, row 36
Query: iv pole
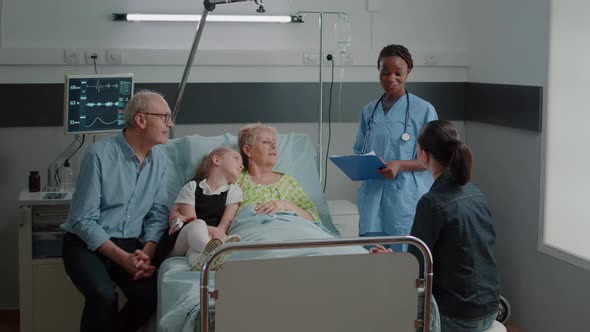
column 321, row 83
column 209, row 6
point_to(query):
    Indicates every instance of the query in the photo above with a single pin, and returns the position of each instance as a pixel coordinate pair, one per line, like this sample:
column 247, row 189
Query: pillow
column 296, row 157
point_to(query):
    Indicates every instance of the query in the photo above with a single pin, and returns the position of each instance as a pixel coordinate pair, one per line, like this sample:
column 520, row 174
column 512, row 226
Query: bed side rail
column 296, row 263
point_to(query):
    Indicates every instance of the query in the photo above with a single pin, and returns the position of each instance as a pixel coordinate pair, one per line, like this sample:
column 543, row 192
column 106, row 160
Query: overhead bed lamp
column 209, row 5
column 128, row 17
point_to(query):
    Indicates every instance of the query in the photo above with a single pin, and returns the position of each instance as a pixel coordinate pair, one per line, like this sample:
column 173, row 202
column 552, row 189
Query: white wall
column 508, row 41
column 35, row 33
column 32, row 48
column 565, row 220
column 509, row 45
column 436, row 25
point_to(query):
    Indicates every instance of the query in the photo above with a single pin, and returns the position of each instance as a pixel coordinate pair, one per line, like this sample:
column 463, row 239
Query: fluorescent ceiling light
column 210, row 18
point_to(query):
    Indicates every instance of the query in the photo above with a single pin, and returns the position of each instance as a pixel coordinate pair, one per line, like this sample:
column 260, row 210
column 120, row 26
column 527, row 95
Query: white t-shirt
column 187, row 193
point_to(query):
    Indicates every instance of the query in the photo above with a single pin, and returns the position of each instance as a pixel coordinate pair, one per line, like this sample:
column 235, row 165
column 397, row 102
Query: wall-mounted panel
column 42, row 104
column 515, row 106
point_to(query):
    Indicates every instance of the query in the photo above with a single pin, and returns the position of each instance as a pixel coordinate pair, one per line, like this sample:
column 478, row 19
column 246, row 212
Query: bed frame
column 359, row 292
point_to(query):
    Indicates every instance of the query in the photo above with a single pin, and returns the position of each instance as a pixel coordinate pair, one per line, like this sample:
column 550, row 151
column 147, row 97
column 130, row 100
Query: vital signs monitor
column 96, row 103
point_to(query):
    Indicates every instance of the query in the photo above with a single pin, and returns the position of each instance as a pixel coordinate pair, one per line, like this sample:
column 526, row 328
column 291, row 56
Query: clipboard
column 359, row 167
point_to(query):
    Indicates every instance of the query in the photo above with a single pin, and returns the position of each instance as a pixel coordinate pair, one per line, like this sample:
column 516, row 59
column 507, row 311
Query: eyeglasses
column 164, row 116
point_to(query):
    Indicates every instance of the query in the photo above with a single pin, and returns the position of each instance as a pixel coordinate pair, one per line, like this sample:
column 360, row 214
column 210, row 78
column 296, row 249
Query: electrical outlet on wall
column 310, row 58
column 91, row 53
column 72, row 56
column 430, row 59
column 114, row 56
column 339, row 58
column 347, row 58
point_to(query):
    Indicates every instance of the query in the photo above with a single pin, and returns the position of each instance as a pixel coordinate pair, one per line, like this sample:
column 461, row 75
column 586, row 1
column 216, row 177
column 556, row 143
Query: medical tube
column 342, row 33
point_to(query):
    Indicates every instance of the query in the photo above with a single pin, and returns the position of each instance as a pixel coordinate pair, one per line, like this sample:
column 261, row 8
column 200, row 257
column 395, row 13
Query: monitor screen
column 96, row 103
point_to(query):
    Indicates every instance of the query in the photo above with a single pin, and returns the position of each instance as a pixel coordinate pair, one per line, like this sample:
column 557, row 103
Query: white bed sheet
column 178, row 288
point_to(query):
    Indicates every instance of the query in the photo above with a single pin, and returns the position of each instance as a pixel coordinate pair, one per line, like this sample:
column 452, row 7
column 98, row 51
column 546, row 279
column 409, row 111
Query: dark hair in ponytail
column 441, row 140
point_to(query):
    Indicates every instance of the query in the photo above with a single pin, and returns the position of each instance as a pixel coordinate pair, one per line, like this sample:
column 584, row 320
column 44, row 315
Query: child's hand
column 183, row 219
column 215, row 232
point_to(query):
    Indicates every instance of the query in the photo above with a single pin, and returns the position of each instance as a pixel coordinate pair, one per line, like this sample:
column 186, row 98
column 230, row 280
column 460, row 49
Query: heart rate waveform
column 99, row 86
column 108, row 85
column 97, row 104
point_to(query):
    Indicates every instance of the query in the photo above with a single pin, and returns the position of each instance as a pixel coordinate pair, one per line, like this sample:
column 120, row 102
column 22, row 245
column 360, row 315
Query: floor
column 511, row 328
column 9, row 322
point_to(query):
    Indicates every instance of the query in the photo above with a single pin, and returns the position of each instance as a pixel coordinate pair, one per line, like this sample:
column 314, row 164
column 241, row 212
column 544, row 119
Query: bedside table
column 345, row 217
column 48, row 299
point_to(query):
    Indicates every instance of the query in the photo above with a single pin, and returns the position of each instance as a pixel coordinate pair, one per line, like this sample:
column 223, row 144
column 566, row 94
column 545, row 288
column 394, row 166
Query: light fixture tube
column 210, row 18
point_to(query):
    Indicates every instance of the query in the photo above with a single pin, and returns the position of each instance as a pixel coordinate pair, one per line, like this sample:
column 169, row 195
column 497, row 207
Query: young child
column 212, row 198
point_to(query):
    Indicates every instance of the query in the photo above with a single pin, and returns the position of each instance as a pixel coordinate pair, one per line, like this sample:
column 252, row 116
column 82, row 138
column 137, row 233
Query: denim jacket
column 456, row 224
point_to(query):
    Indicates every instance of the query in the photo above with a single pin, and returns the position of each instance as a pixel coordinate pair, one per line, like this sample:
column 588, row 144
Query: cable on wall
column 94, row 60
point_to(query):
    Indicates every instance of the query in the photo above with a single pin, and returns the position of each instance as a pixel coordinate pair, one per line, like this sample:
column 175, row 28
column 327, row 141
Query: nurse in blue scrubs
column 389, row 126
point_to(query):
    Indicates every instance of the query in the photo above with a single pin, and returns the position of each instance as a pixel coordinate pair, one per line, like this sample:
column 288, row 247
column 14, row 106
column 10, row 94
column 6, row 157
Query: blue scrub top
column 388, row 206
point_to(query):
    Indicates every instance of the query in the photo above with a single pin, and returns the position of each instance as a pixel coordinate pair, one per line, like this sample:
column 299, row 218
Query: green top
column 287, row 188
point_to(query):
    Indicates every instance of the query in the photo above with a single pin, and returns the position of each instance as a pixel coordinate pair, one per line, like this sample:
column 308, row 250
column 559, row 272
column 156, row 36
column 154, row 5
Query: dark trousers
column 165, row 246
column 94, row 275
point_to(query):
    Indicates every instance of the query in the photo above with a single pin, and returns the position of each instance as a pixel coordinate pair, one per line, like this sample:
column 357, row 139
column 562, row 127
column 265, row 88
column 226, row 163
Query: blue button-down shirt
column 116, row 197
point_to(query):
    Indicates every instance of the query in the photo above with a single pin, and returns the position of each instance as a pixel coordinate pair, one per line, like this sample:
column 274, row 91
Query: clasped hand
column 138, row 264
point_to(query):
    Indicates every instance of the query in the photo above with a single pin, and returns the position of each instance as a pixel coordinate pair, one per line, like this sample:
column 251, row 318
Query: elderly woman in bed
column 270, row 191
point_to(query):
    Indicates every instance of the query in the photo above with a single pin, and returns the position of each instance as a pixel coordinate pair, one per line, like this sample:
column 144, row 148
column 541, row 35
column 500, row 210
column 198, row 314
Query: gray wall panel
column 447, row 98
column 508, row 105
column 515, row 106
column 31, row 105
column 295, row 102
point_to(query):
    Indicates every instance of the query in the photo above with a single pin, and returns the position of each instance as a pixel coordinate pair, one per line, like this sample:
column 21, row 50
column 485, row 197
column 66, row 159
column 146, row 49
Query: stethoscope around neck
column 405, row 136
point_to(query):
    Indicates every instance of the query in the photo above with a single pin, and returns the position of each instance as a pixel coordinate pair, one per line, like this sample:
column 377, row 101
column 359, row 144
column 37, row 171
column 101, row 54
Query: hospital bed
column 289, row 274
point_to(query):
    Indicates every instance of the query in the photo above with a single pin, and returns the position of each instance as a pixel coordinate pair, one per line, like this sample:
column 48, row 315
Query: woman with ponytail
column 454, row 220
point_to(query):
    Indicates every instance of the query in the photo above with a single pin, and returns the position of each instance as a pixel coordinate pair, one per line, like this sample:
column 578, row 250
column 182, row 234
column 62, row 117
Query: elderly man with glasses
column 117, row 216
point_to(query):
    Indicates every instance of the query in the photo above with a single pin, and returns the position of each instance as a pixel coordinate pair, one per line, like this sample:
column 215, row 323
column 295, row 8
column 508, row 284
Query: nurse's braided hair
column 396, row 50
column 441, row 140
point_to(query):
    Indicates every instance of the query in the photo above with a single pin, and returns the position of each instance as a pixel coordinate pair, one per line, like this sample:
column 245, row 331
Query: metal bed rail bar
column 426, row 255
